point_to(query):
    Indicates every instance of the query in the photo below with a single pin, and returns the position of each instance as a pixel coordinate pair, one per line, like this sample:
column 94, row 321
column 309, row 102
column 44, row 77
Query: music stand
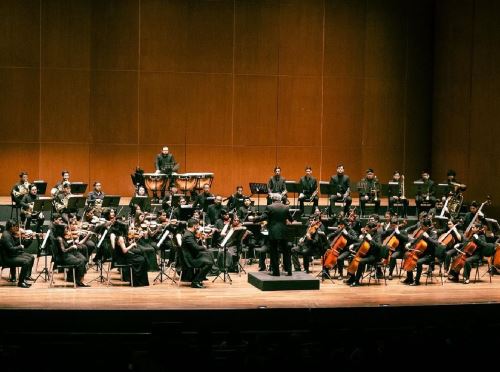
column 326, row 189
column 41, row 186
column 110, row 201
column 293, row 186
column 75, row 203
column 45, row 270
column 234, row 235
column 78, row 187
column 162, row 272
column 142, row 201
column 441, row 190
column 259, row 189
column 186, row 212
column 100, row 261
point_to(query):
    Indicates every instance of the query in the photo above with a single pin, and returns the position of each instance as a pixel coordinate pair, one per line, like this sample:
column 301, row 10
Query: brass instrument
column 63, row 205
column 374, row 190
column 23, row 189
column 56, row 190
column 403, row 187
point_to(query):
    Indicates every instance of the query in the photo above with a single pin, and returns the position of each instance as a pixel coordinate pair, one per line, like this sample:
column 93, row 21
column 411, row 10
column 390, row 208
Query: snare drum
column 202, row 179
column 155, row 181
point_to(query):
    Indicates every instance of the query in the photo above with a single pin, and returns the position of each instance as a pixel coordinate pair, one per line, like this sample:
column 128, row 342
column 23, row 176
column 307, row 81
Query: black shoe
column 289, row 273
column 355, row 284
column 12, row 280
column 262, row 269
column 453, row 278
column 297, row 269
column 407, row 281
column 389, row 277
column 81, row 284
column 274, row 274
column 24, row 285
column 415, row 283
column 307, row 271
column 197, row 285
column 29, row 278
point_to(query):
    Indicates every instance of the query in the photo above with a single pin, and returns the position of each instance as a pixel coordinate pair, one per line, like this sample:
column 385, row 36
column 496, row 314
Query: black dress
column 134, row 257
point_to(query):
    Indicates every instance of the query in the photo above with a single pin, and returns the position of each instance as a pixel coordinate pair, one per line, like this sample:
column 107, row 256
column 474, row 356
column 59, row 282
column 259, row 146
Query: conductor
column 277, row 216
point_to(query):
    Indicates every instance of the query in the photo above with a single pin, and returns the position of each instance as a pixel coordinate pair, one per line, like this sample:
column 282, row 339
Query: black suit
column 196, row 256
column 14, row 255
column 340, row 184
column 308, row 185
column 277, row 215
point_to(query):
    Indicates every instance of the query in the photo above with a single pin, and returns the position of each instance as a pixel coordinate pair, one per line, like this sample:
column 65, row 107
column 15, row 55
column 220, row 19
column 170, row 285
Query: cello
column 332, row 254
column 447, row 238
column 419, row 247
column 362, row 252
column 468, row 250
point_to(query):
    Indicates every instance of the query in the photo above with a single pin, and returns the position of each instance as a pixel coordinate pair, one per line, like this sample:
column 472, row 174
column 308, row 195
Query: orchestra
column 343, row 240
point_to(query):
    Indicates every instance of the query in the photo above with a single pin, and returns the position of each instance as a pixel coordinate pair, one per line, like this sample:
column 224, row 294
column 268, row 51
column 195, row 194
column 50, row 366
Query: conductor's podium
column 298, row 281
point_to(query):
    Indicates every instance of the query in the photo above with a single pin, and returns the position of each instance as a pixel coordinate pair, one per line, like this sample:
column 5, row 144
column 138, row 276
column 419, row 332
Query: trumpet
column 403, row 187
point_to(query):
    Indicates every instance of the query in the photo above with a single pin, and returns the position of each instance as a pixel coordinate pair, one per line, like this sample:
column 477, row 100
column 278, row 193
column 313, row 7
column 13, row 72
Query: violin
column 27, row 234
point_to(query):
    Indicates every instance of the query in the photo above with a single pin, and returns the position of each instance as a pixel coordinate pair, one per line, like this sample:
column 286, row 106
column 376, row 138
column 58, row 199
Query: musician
column 246, row 209
column 13, row 253
column 21, row 188
column 69, row 252
column 309, row 189
column 126, row 251
column 214, row 210
column 277, row 185
column 27, row 214
column 429, row 235
column 278, row 216
column 236, row 200
column 450, row 250
column 340, row 185
column 353, row 220
column 195, row 255
column 168, row 200
column 469, row 216
column 177, row 213
column 401, row 236
column 454, row 185
column 95, row 198
column 59, row 185
column 166, row 164
column 369, row 188
column 143, row 204
column 343, row 227
column 61, row 201
column 372, row 236
column 314, row 243
column 204, row 199
column 426, row 192
column 477, row 238
column 397, row 194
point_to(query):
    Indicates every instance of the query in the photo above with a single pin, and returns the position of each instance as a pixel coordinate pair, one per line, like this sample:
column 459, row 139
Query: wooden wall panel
column 385, row 41
column 20, row 104
column 218, row 160
column 115, row 34
column 114, row 107
column 343, row 109
column 301, row 34
column 163, row 108
column 112, row 166
column 299, row 111
column 253, row 164
column 350, row 157
column 55, row 157
column 486, row 55
column 187, row 35
column 383, row 119
column 17, row 157
column 20, row 30
column 345, row 38
column 208, row 108
column 294, row 159
column 256, row 37
column 66, row 33
column 65, row 106
column 255, row 110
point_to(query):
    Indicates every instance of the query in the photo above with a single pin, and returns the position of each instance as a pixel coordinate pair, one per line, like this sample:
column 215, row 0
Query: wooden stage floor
column 241, row 295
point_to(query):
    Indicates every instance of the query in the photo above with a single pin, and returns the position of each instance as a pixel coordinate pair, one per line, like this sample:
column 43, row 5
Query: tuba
column 454, row 204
